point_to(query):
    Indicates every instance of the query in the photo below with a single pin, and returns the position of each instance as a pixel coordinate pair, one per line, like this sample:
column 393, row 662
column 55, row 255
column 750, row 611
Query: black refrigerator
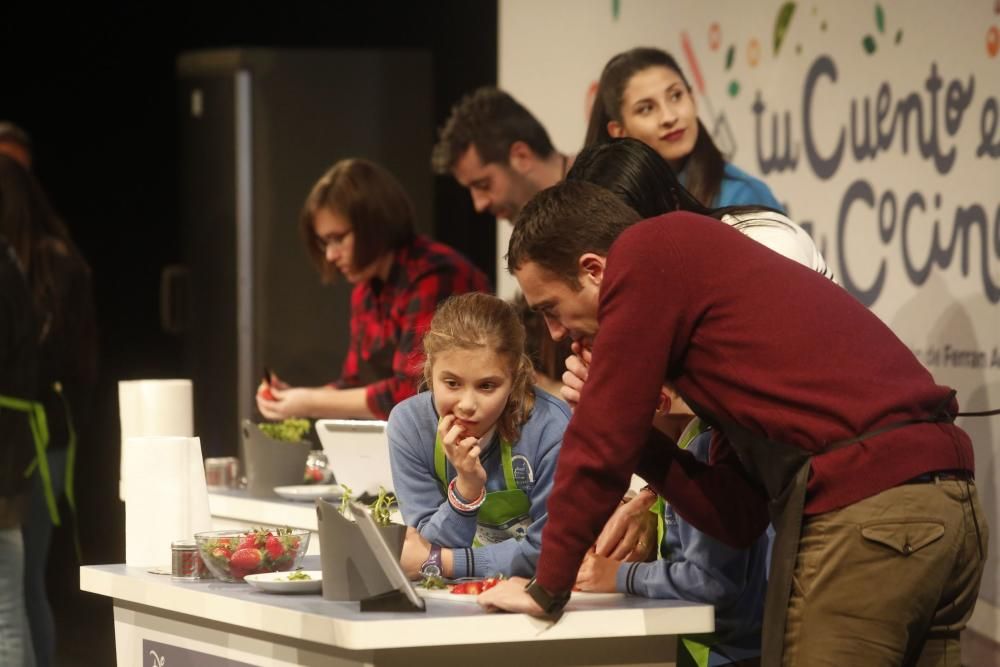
column 257, row 128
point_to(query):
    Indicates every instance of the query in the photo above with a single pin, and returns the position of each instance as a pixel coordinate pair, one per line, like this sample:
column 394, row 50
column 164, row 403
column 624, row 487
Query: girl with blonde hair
column 473, row 458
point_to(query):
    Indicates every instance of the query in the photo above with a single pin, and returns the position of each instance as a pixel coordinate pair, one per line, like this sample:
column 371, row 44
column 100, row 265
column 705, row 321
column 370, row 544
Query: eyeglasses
column 323, row 243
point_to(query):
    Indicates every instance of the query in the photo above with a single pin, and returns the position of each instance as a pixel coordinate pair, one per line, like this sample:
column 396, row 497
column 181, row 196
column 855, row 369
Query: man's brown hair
column 562, row 223
column 491, row 120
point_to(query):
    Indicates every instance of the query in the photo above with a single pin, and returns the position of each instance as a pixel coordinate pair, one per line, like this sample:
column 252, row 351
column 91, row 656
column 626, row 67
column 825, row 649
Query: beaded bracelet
column 459, row 504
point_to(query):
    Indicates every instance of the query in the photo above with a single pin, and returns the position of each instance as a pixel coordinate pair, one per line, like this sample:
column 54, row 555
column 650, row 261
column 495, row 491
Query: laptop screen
column 358, row 453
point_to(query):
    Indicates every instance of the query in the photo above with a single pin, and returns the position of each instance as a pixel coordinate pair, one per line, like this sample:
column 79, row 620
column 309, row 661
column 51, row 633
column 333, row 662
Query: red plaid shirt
column 388, row 320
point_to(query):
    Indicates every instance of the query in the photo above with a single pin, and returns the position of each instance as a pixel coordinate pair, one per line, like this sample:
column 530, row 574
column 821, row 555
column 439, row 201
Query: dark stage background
column 95, row 87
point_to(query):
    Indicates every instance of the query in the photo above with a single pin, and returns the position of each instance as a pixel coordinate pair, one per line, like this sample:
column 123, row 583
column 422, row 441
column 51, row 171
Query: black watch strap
column 551, row 604
column 432, row 566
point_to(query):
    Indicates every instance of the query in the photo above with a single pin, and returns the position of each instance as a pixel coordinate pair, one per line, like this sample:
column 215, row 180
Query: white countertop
column 240, row 506
column 342, row 624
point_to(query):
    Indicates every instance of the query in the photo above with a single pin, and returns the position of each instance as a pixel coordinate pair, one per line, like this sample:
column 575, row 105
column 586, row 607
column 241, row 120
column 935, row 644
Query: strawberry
column 246, row 560
column 475, row 587
column 221, row 552
column 466, row 588
column 264, row 390
column 292, row 544
column 249, row 541
column 275, row 549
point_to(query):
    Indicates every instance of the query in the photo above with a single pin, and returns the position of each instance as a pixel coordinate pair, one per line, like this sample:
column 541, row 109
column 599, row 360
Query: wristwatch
column 432, row 566
column 551, row 604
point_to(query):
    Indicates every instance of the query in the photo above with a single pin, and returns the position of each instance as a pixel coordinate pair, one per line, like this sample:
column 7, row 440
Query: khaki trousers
column 889, row 580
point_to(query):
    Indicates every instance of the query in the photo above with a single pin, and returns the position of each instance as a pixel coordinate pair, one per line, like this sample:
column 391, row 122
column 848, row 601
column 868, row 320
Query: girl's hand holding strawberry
column 463, row 453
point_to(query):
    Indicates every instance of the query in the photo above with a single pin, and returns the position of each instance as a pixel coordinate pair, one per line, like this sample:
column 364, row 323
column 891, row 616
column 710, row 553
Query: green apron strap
column 694, row 428
column 440, row 463
column 697, row 647
column 40, row 433
column 659, row 509
column 70, row 468
column 692, row 653
column 70, row 448
column 508, row 465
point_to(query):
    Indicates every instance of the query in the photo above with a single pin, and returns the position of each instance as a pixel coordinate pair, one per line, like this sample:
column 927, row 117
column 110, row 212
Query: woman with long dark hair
column 641, row 178
column 62, row 300
column 643, row 94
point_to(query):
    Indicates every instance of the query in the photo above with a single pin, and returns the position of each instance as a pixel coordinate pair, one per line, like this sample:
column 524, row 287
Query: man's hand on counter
column 509, row 595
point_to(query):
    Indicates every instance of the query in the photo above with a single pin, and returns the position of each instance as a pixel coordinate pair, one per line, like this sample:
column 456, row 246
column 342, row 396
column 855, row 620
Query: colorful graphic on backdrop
column 785, row 15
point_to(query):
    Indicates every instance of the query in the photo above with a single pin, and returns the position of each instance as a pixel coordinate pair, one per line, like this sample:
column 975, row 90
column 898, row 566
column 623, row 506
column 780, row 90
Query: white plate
column 442, row 594
column 309, row 491
column 277, row 582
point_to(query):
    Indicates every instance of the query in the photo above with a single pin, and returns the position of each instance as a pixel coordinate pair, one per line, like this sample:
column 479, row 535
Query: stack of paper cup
column 165, row 498
column 153, row 408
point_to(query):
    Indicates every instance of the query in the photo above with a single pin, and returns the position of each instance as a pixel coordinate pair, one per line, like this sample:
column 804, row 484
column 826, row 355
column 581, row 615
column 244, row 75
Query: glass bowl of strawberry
column 231, row 555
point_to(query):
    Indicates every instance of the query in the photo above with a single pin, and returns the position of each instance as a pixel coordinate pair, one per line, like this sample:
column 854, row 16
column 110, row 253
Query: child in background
column 693, row 566
column 473, row 458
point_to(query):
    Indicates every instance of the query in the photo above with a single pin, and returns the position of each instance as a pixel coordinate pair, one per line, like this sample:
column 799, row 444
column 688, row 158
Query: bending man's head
column 494, row 147
column 557, row 253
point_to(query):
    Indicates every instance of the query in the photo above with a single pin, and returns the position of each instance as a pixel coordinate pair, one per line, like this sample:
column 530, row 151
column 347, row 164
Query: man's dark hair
column 492, row 121
column 562, row 223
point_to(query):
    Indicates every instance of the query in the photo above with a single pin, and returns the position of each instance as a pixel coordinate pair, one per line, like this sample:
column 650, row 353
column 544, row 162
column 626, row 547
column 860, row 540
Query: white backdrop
column 876, row 124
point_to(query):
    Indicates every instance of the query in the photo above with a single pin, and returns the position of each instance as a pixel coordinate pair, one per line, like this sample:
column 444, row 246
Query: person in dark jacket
column 18, row 377
column 62, row 301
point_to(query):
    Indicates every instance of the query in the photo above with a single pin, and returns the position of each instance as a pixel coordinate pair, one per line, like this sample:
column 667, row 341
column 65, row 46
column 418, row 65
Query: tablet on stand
column 403, row 597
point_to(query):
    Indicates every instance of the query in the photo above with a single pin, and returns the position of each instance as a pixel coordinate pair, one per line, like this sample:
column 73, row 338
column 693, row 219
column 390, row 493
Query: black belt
column 942, row 476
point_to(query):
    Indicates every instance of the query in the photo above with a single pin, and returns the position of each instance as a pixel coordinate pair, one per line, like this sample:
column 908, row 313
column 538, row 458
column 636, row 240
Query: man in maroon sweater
column 824, row 417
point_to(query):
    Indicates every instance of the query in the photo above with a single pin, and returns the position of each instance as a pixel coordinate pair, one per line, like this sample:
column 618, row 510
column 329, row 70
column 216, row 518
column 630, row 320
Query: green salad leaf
column 432, row 582
column 289, row 430
column 382, row 507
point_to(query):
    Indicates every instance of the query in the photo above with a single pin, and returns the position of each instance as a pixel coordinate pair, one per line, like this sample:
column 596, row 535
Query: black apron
column 783, row 470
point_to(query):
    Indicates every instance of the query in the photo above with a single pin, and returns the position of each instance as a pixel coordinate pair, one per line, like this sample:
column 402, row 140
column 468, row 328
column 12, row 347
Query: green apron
column 694, row 428
column 35, row 413
column 503, row 514
column 692, row 650
column 40, row 433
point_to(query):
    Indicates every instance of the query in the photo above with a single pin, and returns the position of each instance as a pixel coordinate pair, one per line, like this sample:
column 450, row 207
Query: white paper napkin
column 153, row 408
column 166, row 497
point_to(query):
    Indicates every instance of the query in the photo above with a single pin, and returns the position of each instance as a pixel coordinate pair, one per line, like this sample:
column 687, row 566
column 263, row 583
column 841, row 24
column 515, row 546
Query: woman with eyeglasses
column 358, row 223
